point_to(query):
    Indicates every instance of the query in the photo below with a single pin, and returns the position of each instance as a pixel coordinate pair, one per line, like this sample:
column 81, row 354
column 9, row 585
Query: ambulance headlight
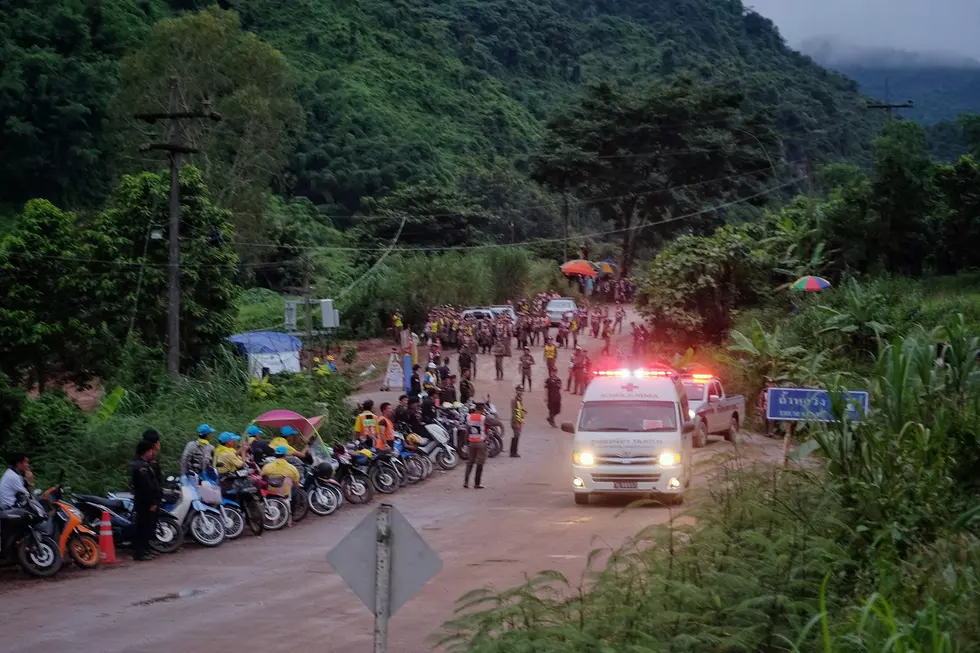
column 669, row 459
column 691, row 413
column 584, row 458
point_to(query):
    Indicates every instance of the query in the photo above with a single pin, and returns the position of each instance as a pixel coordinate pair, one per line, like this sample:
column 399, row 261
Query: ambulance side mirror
column 568, row 427
column 688, row 427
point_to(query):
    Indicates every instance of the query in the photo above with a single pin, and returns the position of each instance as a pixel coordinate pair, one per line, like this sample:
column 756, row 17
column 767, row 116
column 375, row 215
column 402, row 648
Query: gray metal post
column 382, row 598
column 173, row 272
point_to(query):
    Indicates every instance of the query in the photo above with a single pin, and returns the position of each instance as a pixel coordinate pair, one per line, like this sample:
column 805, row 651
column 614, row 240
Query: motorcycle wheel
column 358, row 489
column 84, row 550
column 39, row 558
column 255, row 517
column 495, row 444
column 322, row 501
column 414, row 470
column 234, row 520
column 208, row 529
column 427, row 466
column 276, row 513
column 168, row 537
column 384, row 479
column 338, row 493
column 300, row 503
column 447, row 459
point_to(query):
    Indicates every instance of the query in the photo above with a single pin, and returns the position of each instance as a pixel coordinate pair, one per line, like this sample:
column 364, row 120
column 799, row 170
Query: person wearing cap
column 550, row 355
column 226, row 457
column 527, row 360
column 282, row 468
column 466, row 389
column 430, row 379
column 447, row 390
column 499, row 351
column 281, row 441
column 415, row 384
column 366, row 423
column 258, row 448
column 198, row 453
column 517, row 415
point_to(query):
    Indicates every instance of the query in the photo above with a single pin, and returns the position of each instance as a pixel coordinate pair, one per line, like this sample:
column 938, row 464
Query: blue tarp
column 266, row 342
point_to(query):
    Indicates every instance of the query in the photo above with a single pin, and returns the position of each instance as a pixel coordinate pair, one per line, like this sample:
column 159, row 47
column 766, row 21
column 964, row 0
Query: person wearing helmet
column 331, row 365
column 477, row 424
column 198, row 453
column 226, row 456
column 430, row 380
column 281, row 469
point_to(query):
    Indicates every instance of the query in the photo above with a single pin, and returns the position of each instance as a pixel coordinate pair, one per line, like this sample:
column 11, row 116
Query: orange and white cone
column 107, row 547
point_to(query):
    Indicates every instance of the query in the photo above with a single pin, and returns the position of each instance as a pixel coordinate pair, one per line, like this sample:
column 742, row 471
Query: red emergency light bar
column 702, row 377
column 634, row 374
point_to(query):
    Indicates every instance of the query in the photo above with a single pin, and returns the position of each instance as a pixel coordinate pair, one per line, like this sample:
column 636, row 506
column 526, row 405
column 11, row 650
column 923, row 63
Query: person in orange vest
column 477, row 424
column 385, row 437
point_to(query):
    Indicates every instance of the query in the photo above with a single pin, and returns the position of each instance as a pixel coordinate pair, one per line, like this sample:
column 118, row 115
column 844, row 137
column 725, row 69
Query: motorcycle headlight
column 669, row 459
column 584, row 458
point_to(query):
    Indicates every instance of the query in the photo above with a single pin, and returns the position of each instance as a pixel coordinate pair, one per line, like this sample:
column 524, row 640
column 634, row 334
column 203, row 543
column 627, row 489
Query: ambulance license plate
column 624, row 485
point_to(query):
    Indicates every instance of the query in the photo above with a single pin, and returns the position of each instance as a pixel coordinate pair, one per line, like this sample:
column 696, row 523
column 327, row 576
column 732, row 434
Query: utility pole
column 887, row 104
column 174, row 148
column 307, row 265
column 565, row 222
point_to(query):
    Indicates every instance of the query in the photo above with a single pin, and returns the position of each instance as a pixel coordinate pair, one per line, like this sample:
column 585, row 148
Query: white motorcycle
column 199, row 515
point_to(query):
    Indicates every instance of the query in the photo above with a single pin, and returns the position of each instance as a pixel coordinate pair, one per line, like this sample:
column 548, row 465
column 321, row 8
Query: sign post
column 385, row 562
column 382, row 571
column 791, row 405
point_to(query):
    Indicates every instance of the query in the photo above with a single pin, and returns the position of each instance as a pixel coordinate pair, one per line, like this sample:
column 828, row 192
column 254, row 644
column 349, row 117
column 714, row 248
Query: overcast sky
column 944, row 25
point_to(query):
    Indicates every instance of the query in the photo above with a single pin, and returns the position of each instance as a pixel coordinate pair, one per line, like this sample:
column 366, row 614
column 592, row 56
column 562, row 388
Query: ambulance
column 633, row 436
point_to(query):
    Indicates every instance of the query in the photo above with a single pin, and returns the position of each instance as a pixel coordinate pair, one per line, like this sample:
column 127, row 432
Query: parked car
column 712, row 412
column 558, row 308
column 501, row 310
column 476, row 313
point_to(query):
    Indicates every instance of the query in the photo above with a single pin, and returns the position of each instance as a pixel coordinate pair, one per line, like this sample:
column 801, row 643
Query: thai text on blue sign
column 811, row 405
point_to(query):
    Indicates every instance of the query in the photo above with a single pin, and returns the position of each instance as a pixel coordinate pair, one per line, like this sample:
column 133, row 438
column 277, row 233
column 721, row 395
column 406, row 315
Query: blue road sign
column 811, row 405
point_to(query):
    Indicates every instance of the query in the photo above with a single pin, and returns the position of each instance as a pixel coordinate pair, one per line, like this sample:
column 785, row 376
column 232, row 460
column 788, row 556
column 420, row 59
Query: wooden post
column 382, row 599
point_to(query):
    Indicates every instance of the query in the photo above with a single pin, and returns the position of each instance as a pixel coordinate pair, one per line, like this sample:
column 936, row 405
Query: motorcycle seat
column 13, row 513
column 112, row 504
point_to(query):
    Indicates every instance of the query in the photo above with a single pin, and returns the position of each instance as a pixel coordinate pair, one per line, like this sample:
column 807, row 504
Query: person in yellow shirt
column 226, row 457
column 550, row 352
column 366, row 424
column 281, row 441
column 282, row 469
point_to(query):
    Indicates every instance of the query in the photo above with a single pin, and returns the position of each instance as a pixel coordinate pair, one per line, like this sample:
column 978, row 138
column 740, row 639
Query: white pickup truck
column 712, row 412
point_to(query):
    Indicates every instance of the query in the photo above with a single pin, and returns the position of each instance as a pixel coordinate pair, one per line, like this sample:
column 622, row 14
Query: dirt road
column 258, row 594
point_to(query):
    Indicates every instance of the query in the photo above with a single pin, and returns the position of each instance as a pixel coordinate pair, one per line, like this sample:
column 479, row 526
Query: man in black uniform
column 146, row 500
column 429, row 406
column 153, row 437
column 415, row 384
column 553, row 387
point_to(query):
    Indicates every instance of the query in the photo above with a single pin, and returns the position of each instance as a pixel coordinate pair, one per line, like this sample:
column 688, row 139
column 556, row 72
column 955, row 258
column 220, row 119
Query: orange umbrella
column 579, row 268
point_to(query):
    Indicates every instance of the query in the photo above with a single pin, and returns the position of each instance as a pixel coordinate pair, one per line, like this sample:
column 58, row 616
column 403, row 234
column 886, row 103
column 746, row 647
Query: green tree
column 958, row 227
column 434, row 216
column 238, row 75
column 60, row 66
column 904, row 196
column 208, row 263
column 643, row 159
column 51, row 307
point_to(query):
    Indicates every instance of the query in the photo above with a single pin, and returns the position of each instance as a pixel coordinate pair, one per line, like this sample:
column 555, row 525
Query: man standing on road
column 466, row 389
column 550, row 354
column 527, row 360
column 517, row 415
column 415, row 383
column 146, row 499
column 499, row 351
column 620, row 314
column 153, row 437
column 553, row 388
column 476, row 446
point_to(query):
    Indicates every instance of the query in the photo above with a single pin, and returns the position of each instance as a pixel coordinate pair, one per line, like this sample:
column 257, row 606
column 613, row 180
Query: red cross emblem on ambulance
column 629, row 387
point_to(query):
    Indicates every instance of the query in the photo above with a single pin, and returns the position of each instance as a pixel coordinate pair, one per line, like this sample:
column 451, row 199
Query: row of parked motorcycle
column 48, row 529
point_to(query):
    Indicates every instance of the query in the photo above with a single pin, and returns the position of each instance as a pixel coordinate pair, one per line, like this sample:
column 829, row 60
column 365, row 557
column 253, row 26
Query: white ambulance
column 633, row 436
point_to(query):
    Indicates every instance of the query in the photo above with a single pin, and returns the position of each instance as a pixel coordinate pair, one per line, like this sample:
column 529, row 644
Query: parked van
column 633, row 436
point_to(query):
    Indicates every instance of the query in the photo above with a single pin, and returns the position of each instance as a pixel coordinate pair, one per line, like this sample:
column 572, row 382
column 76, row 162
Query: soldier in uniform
column 466, row 389
column 498, row 359
column 527, row 360
column 553, row 388
column 146, row 500
column 517, row 415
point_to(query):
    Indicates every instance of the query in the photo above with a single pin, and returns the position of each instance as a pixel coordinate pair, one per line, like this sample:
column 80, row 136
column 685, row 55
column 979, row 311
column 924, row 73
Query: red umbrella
column 277, row 419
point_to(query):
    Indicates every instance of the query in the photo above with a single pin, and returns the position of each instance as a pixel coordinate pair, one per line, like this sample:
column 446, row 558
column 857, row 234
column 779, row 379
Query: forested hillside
column 400, row 92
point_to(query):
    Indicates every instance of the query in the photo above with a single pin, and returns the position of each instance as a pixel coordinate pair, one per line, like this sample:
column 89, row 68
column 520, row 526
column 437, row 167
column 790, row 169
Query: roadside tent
column 268, row 352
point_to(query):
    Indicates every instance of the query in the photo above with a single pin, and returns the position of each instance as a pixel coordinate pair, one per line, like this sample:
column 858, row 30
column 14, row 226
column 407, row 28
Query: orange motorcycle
column 73, row 537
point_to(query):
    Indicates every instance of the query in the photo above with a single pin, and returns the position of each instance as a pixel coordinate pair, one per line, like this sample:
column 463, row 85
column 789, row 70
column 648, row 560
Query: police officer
column 517, row 415
column 553, row 388
column 476, row 429
column 466, row 389
column 146, row 500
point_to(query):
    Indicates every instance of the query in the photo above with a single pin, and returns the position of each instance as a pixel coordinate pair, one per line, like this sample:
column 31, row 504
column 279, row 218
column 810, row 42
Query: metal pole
column 786, row 439
column 565, row 223
column 173, row 282
column 382, row 600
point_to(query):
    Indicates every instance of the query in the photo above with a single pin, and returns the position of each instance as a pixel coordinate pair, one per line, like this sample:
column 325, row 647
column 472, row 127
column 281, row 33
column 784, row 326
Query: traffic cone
column 107, row 547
